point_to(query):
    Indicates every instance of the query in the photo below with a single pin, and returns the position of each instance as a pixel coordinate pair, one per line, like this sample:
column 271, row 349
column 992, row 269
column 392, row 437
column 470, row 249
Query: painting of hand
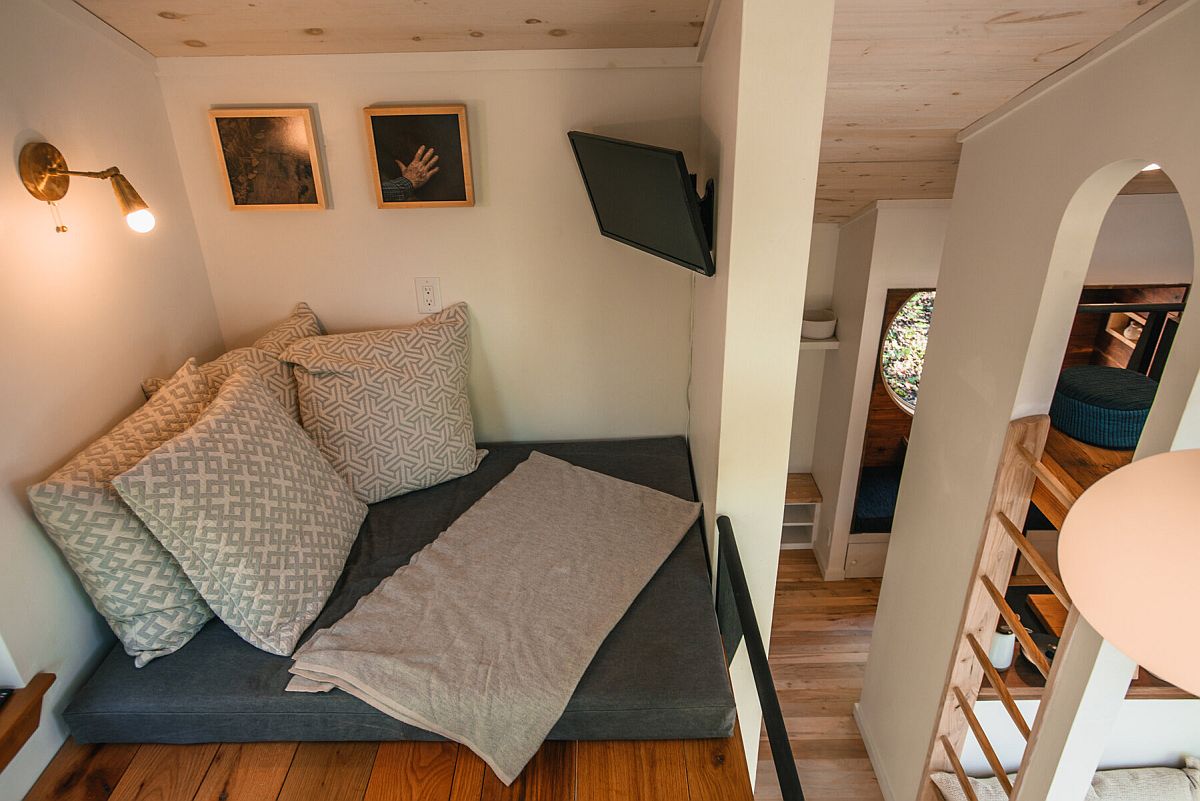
column 422, row 167
column 421, row 156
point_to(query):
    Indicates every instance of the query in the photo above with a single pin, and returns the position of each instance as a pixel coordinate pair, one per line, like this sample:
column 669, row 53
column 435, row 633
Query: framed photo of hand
column 420, row 156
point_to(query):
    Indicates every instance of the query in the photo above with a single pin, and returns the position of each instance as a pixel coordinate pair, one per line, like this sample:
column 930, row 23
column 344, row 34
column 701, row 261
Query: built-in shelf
column 20, row 715
column 819, row 344
column 801, row 510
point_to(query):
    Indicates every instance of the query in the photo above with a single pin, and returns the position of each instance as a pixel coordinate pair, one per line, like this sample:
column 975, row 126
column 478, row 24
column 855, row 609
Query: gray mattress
column 660, row 674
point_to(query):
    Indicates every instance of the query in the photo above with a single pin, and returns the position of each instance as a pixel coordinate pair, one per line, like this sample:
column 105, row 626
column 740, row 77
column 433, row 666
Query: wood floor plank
column 329, row 772
column 820, row 639
column 716, row 769
column 413, row 771
column 159, row 772
column 469, row 773
column 82, row 772
column 549, row 776
column 247, row 772
column 630, row 770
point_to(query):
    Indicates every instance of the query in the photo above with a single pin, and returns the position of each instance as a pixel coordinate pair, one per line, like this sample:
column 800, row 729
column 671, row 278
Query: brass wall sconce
column 44, row 173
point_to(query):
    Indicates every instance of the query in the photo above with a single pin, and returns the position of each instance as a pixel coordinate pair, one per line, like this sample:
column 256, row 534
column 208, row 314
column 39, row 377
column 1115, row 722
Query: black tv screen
column 643, row 196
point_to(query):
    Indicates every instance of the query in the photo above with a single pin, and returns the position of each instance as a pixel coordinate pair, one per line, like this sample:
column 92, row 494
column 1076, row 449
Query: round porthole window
column 903, row 353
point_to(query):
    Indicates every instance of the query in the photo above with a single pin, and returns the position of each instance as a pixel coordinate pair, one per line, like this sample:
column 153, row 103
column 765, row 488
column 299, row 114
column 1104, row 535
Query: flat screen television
column 643, row 196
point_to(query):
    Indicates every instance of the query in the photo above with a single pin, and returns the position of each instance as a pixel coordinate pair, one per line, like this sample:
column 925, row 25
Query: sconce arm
column 102, row 174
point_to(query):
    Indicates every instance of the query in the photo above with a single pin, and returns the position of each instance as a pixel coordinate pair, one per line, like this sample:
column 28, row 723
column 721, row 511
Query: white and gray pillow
column 389, row 408
column 988, row 789
column 1149, row 784
column 257, row 518
column 1127, row 784
column 135, row 584
column 263, row 358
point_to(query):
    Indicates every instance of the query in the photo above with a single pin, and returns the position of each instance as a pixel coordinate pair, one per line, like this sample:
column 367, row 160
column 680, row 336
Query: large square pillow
column 135, row 584
column 389, row 408
column 263, row 358
column 255, row 515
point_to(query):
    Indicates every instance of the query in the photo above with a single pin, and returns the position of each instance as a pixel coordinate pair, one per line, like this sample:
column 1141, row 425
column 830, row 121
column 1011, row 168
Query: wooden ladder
column 1019, row 470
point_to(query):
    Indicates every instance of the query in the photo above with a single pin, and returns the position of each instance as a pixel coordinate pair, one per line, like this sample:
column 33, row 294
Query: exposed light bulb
column 1151, row 167
column 141, row 221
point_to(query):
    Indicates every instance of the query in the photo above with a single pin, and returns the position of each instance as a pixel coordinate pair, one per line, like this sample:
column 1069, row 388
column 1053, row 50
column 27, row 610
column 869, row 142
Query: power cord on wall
column 687, row 430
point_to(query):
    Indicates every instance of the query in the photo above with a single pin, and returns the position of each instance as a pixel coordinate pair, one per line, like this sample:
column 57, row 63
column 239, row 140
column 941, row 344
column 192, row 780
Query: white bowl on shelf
column 818, row 324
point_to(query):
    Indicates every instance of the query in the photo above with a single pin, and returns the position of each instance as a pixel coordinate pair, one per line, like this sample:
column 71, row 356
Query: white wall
column 87, row 314
column 763, row 90
column 1146, row 733
column 896, row 244
column 1144, row 239
column 1033, row 187
column 856, row 247
column 810, row 368
column 575, row 335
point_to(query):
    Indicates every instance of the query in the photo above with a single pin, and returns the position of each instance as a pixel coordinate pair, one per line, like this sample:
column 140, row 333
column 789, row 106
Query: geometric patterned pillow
column 389, row 409
column 135, row 584
column 263, row 357
column 1148, row 784
column 988, row 789
column 301, row 323
column 257, row 518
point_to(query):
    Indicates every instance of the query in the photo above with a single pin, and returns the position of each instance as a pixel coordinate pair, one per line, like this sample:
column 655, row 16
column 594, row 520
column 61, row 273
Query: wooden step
column 20, row 716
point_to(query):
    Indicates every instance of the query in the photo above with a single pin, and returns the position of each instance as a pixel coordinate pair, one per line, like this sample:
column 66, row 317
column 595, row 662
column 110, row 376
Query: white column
column 1085, row 694
column 763, row 100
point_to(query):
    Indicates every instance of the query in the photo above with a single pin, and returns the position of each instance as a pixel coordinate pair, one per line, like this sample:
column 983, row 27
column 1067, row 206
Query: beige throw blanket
column 484, row 635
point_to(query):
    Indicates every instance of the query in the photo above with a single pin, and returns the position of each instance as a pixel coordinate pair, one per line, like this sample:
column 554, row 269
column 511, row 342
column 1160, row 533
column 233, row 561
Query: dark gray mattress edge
column 714, row 722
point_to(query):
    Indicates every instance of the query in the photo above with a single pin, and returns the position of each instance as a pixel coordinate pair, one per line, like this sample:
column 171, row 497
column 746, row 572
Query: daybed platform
column 646, row 770
column 660, row 675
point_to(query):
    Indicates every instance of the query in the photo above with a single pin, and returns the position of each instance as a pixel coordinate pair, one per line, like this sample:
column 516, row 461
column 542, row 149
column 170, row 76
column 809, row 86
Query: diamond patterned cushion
column 255, row 515
column 263, row 357
column 389, row 408
column 134, row 582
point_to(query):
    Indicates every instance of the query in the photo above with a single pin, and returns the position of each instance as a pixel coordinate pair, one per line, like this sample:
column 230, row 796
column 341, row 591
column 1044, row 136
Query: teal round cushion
column 1104, row 406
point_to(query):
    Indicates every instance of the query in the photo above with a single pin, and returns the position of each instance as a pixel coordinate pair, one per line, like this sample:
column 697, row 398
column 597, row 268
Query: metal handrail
column 729, row 569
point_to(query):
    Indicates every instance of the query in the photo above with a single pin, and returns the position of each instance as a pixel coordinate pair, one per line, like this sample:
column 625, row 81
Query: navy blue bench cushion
column 875, row 504
column 1102, row 406
column 660, row 674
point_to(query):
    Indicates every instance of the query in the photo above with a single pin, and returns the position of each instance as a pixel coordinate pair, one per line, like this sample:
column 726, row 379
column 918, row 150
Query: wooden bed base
column 648, row 770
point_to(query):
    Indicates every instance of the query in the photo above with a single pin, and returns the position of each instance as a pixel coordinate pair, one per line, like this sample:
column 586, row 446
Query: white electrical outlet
column 429, row 295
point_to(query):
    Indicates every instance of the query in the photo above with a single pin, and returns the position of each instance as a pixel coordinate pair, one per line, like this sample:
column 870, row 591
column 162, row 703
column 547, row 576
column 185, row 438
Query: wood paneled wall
column 888, row 425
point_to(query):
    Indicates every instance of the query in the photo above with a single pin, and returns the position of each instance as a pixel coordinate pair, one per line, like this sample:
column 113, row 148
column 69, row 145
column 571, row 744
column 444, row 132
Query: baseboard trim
column 885, row 786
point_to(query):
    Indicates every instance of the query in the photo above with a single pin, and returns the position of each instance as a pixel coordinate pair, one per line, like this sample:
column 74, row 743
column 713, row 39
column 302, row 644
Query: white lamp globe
column 1130, row 558
column 141, row 221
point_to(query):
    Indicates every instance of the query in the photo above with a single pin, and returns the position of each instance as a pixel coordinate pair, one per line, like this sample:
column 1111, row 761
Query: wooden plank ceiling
column 905, row 75
column 290, row 27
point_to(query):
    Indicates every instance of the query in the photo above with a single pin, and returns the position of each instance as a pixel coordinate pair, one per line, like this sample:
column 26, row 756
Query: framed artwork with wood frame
column 269, row 158
column 420, row 156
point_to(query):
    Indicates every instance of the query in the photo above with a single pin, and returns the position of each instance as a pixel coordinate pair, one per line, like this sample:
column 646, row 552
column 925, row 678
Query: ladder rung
column 963, row 781
column 984, row 743
column 1040, row 565
column 1050, row 481
column 997, row 682
column 1031, row 650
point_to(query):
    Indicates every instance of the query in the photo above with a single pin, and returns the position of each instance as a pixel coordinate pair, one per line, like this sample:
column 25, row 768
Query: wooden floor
column 820, row 636
column 661, row 770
